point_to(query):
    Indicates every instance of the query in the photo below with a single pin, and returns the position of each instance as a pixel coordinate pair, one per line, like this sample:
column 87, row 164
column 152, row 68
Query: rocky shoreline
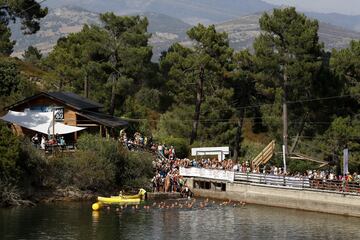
column 69, row 194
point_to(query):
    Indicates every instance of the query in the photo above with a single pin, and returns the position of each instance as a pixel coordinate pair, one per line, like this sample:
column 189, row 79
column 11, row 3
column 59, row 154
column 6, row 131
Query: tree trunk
column 238, row 136
column 113, row 94
column 199, row 96
column 86, row 87
column 113, row 79
column 61, row 82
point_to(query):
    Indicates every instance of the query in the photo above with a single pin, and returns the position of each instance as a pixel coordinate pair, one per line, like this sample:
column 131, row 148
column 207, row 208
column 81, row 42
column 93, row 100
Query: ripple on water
column 194, row 220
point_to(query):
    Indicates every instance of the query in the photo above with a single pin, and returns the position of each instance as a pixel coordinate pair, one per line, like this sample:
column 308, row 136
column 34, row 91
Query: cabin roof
column 83, row 106
column 67, row 98
column 104, row 119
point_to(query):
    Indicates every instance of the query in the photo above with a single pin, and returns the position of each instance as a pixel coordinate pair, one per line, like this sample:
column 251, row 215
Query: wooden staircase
column 264, row 156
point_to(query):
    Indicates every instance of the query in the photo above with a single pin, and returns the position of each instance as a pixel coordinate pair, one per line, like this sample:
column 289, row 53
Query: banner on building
column 207, row 173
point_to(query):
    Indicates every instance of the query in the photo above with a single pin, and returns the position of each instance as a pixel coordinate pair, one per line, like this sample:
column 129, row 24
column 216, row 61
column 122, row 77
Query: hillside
column 58, row 23
column 165, row 31
column 205, row 11
column 243, row 31
column 65, row 20
column 341, row 20
column 189, row 11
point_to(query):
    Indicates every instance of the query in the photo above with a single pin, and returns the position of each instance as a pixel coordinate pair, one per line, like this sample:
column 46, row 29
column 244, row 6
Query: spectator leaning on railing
column 167, row 165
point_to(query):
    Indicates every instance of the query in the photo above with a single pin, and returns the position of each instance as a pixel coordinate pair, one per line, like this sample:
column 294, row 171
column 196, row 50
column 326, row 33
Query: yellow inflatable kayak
column 117, row 200
column 140, row 195
column 128, row 199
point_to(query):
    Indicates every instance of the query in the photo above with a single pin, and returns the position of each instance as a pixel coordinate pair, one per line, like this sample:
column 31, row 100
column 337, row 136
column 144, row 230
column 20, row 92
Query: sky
column 324, row 6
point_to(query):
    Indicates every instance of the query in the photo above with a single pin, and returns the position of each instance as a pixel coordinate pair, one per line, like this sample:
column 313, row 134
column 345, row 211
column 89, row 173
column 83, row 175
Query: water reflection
column 95, row 217
column 215, row 221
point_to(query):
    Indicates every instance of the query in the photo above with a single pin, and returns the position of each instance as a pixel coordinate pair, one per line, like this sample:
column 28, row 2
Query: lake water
column 215, row 221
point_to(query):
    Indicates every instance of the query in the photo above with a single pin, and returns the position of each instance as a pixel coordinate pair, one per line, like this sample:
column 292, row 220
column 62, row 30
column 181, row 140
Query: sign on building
column 220, row 152
column 58, row 111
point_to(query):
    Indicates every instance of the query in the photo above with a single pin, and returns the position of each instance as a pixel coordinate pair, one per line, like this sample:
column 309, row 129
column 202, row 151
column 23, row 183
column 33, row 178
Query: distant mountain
column 204, row 11
column 243, row 31
column 165, row 31
column 190, row 11
column 58, row 23
column 346, row 21
column 65, row 20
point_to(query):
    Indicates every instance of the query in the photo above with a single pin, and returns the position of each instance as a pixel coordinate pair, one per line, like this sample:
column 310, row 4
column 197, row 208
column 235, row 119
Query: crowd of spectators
column 166, row 166
column 167, row 176
column 208, row 163
column 138, row 140
column 45, row 142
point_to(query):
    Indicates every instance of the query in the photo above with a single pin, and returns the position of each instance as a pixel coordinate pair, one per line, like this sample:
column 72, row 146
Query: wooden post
column 53, row 125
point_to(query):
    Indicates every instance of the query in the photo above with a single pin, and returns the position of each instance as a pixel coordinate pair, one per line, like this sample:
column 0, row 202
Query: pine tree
column 32, row 55
column 6, row 44
column 243, row 83
column 108, row 63
column 288, row 55
column 28, row 11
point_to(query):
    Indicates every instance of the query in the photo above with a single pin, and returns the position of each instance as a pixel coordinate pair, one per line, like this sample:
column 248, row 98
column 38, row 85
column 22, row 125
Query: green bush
column 9, row 194
column 99, row 164
column 9, row 154
column 84, row 170
column 298, row 166
column 135, row 169
column 108, row 161
column 182, row 148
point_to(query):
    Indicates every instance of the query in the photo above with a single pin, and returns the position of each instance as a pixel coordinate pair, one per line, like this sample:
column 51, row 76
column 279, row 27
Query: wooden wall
column 70, row 116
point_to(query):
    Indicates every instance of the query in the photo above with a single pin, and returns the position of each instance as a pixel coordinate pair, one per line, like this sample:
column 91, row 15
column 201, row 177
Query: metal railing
column 272, row 180
column 343, row 186
column 336, row 185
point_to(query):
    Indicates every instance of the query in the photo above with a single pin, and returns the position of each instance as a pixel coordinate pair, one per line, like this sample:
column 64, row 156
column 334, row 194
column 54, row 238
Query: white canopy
column 39, row 121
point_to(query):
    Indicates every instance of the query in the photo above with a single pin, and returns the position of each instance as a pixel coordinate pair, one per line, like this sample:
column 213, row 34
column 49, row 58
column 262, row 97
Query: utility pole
column 285, row 119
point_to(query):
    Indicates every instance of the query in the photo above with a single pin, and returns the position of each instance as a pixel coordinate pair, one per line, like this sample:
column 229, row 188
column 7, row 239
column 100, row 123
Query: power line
column 312, row 123
column 330, row 138
column 318, row 149
column 225, row 120
column 35, row 4
column 220, row 120
column 324, row 98
column 300, row 101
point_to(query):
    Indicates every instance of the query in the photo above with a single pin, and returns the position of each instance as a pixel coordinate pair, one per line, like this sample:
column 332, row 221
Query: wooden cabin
column 72, row 110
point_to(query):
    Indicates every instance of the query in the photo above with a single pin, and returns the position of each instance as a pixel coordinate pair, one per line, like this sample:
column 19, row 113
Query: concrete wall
column 309, row 200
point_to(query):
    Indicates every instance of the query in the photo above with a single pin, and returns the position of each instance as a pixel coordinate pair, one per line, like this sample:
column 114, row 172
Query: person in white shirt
column 236, row 167
column 43, row 141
